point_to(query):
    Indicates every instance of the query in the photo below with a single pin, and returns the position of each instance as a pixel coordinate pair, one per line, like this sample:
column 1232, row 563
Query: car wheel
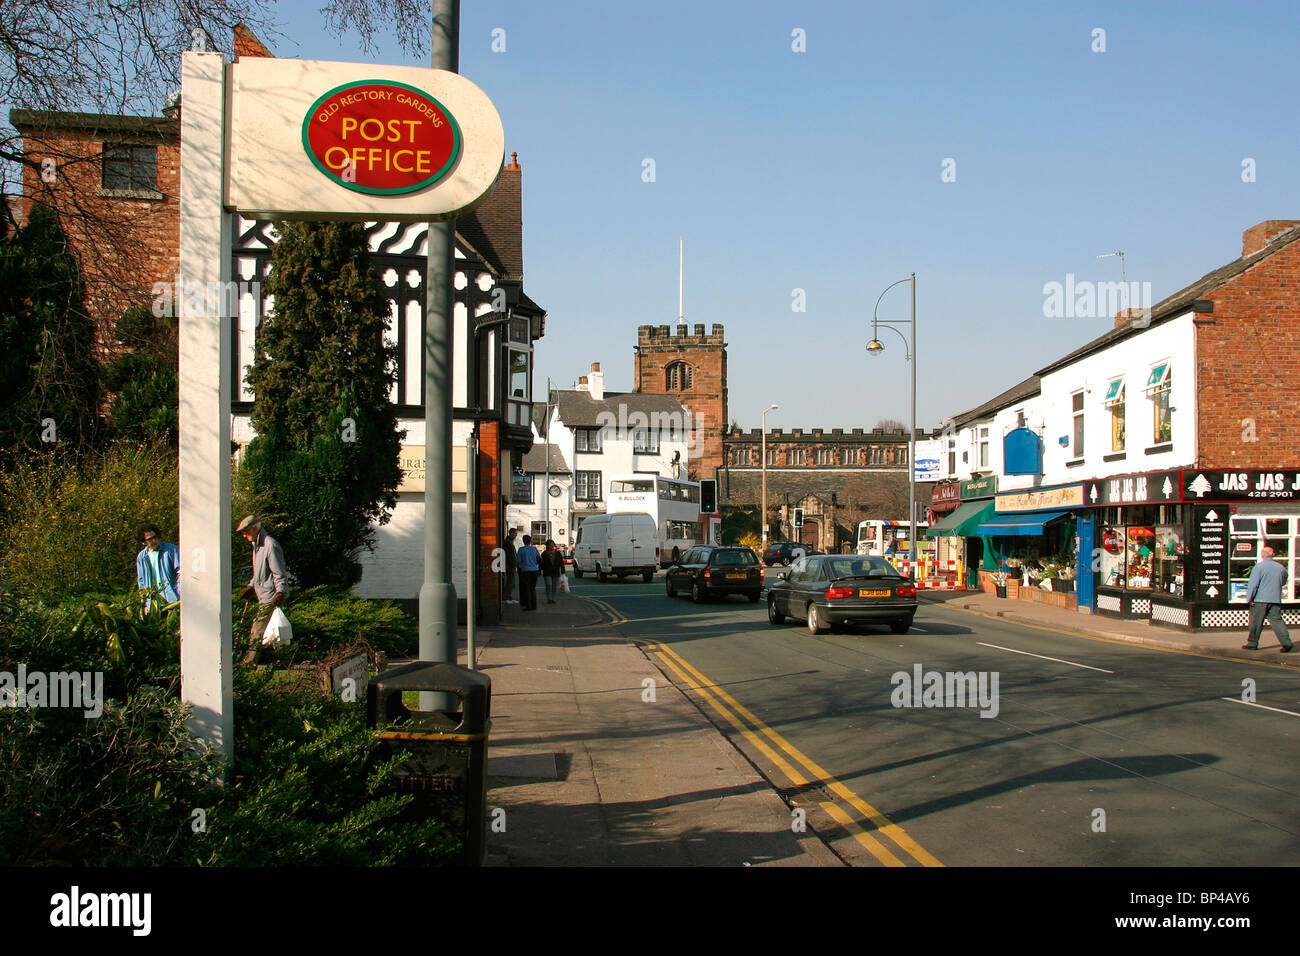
column 754, row 596
column 601, row 576
column 647, row 576
column 815, row 623
column 696, row 594
column 668, row 587
column 773, row 615
column 900, row 627
column 577, row 571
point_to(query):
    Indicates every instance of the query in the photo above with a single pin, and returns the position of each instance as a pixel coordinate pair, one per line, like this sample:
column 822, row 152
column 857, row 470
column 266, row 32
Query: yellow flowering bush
column 68, row 527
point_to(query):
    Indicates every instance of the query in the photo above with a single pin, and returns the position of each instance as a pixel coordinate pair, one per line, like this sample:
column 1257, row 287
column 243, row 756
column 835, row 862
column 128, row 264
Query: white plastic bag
column 279, row 632
column 564, row 584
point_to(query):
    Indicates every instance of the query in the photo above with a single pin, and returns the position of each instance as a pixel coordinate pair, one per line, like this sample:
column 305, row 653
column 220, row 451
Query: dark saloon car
column 707, row 571
column 830, row 589
column 786, row 552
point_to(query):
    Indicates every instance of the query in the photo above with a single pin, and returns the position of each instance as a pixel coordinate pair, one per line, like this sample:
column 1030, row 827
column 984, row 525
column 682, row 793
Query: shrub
column 324, row 618
column 300, row 792
column 68, row 527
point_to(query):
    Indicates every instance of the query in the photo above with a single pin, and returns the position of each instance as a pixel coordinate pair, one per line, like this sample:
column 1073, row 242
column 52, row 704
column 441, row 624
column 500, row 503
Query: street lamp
column 876, row 347
column 762, row 513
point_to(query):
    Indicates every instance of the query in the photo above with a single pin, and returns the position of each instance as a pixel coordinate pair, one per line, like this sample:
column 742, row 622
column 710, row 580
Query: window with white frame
column 587, row 440
column 952, row 456
column 983, row 448
column 828, row 456
column 645, row 441
column 1162, row 429
column 1076, row 410
column 586, row 485
column 773, row 456
column 1115, row 403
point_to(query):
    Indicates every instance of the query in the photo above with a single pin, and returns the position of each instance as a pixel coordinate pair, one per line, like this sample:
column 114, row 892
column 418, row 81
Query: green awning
column 962, row 522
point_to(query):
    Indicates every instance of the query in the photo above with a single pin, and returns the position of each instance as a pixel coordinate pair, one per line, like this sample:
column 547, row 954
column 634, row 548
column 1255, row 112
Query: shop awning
column 1028, row 524
column 961, row 523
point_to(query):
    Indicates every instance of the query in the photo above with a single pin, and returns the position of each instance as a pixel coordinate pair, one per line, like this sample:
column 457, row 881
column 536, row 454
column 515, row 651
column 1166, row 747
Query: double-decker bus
column 674, row 505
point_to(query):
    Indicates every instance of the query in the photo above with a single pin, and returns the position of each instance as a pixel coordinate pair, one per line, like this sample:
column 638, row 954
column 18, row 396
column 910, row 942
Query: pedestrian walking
column 157, row 566
column 269, row 583
column 552, row 567
column 510, row 565
column 529, row 562
column 1265, row 596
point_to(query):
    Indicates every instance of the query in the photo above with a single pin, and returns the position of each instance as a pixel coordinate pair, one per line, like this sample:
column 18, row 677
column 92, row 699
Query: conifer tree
column 50, row 386
column 327, row 447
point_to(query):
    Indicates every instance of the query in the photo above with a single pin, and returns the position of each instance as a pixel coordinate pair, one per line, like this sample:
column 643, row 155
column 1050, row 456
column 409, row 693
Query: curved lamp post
column 762, row 512
column 876, row 347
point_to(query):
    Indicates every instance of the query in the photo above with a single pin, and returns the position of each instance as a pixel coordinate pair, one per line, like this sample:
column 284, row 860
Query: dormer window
column 678, row 376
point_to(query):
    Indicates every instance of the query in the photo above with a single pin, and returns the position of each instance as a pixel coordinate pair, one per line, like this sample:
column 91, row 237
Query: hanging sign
column 313, row 139
column 381, row 137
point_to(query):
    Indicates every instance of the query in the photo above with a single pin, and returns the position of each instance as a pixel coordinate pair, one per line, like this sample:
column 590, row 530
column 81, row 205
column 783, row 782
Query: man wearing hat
column 269, row 582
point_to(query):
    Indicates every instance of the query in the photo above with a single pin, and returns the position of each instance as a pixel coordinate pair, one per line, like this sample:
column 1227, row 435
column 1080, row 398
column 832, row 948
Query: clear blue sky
column 821, row 171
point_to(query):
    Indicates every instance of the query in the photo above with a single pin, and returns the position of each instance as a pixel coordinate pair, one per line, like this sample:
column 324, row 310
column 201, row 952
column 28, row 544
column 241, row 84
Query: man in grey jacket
column 1265, row 596
column 269, row 582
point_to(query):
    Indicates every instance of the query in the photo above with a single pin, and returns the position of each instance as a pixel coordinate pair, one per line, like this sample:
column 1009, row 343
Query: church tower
column 692, row 369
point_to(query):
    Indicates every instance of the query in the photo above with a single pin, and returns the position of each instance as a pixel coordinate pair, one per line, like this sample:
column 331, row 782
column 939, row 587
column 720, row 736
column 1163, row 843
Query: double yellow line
column 754, row 730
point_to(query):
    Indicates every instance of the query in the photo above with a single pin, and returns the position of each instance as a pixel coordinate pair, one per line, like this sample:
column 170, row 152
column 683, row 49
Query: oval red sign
column 381, row 137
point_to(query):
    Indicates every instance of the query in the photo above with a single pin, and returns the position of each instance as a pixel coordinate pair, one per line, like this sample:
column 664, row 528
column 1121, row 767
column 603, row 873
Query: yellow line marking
column 882, row 823
column 862, row 836
column 797, row 778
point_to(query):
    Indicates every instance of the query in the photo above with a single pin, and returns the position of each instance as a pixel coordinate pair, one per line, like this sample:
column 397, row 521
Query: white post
column 205, row 521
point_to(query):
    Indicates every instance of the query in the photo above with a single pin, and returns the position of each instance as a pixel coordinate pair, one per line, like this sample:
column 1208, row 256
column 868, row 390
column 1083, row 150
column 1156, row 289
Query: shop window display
column 1140, row 544
column 1250, row 536
column 1167, row 569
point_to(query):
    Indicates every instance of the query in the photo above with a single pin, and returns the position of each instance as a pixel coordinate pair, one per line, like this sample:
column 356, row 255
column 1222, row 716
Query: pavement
column 597, row 759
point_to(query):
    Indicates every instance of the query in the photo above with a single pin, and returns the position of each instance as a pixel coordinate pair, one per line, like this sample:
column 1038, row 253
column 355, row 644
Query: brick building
column 692, row 368
column 838, row 477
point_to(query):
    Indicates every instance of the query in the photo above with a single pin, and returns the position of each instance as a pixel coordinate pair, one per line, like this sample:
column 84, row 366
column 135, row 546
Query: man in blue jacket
column 1265, row 596
column 158, row 565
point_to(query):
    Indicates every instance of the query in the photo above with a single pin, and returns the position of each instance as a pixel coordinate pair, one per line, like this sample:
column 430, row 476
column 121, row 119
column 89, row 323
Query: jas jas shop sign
column 1162, row 487
column 312, row 139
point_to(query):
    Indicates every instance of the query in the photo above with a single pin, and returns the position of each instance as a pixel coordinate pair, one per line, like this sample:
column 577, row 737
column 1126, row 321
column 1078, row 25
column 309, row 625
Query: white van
column 619, row 544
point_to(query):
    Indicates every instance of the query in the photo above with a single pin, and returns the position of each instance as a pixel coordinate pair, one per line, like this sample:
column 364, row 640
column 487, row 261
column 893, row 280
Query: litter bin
column 446, row 771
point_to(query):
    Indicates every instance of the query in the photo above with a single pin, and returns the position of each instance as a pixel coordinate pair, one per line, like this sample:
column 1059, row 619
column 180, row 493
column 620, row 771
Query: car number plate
column 866, row 593
column 737, row 577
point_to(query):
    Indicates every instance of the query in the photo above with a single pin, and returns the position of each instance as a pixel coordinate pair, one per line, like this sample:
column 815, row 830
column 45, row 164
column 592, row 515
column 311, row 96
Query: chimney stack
column 596, row 382
column 1261, row 234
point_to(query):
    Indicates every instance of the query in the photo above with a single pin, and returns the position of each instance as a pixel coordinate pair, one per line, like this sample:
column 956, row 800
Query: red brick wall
column 126, row 245
column 491, row 517
column 706, row 354
column 1248, row 367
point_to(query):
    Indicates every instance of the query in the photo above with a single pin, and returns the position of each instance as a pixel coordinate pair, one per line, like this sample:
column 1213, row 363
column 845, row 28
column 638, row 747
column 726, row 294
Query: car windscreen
column 733, row 559
column 860, row 567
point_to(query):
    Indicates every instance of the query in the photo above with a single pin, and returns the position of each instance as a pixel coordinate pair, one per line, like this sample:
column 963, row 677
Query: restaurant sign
column 985, row 487
column 1044, row 499
column 1241, row 485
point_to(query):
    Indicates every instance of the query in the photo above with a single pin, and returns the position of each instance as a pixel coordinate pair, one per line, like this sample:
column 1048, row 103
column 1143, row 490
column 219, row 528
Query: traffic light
column 709, row 496
column 798, row 517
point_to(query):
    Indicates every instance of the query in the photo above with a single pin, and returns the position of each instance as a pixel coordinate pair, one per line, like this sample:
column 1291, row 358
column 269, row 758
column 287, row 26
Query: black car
column 831, row 589
column 706, row 571
column 786, row 552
